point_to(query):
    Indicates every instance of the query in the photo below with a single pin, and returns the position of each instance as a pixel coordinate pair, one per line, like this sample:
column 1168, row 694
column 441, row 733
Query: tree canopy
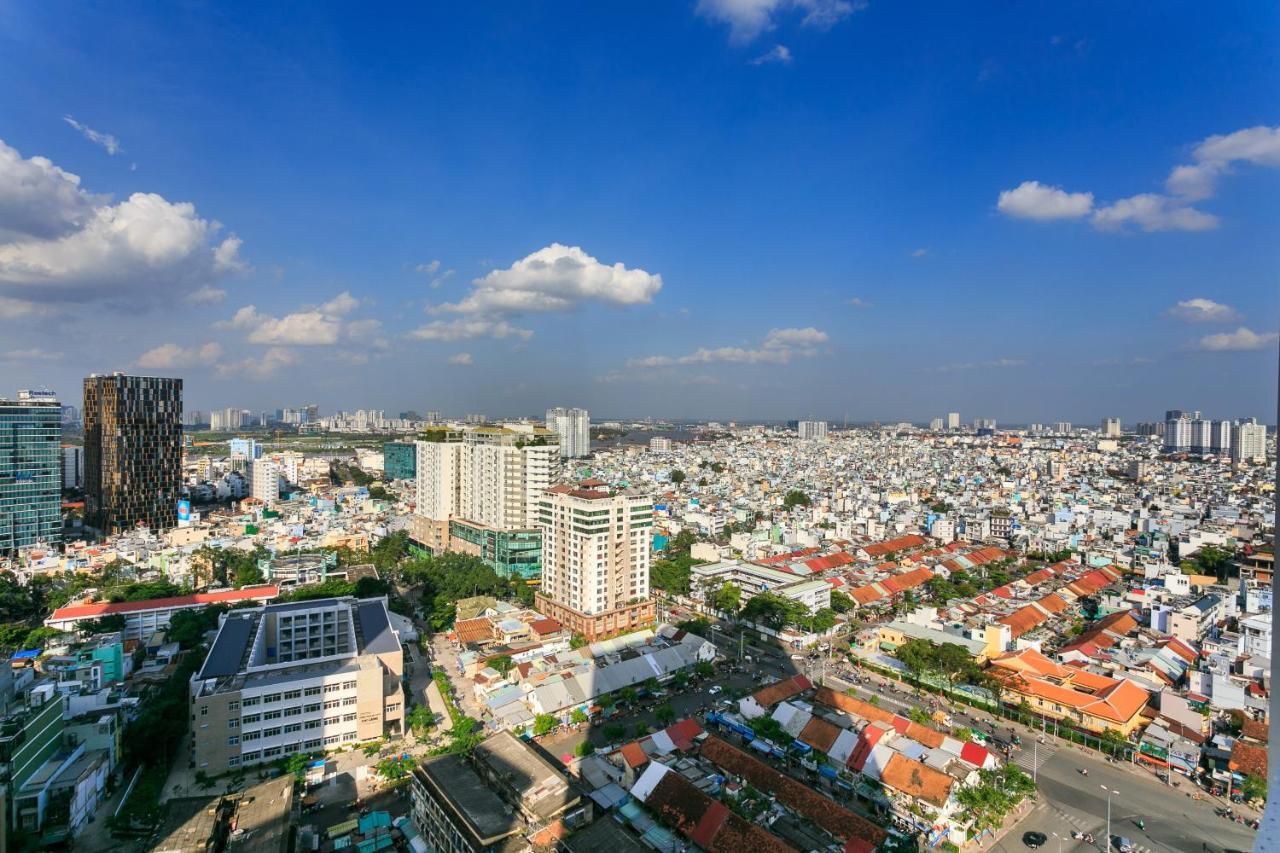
column 795, row 498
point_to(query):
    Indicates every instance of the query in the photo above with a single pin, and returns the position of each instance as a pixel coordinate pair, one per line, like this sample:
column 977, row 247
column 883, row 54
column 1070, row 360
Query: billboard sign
column 184, row 510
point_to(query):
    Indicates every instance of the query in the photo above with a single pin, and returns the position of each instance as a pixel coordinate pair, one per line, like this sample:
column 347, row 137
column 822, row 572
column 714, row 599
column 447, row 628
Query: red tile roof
column 107, row 608
column 634, row 755
column 823, row 811
column 545, row 626
column 853, row 705
column 916, row 779
column 820, row 734
column 893, row 546
column 473, row 630
column 678, row 803
column 767, row 697
column 974, row 754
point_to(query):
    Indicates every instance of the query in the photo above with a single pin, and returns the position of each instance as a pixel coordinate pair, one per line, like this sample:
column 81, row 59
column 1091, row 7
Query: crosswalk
column 1047, row 814
column 1031, row 760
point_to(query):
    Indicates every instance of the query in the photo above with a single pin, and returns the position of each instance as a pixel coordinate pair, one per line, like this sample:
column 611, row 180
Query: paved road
column 1069, row 801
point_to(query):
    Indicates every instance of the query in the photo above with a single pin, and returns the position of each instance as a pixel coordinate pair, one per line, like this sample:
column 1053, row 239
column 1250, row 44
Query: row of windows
column 288, row 695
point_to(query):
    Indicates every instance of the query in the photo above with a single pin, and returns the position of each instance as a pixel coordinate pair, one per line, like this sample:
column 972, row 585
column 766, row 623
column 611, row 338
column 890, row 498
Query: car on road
column 715, row 688
column 1034, row 839
column 1124, row 845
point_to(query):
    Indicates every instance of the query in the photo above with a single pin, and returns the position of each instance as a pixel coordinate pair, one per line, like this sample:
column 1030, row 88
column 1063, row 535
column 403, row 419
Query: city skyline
column 1025, row 216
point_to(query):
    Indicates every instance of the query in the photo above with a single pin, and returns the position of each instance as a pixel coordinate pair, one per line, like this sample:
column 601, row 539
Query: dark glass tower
column 132, row 451
column 30, row 471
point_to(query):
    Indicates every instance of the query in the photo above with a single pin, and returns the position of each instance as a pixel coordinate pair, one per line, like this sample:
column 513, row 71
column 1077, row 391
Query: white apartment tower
column 595, row 558
column 935, row 425
column 812, row 430
column 953, row 420
column 1110, row 428
column 493, row 476
column 265, row 480
column 437, row 481
column 574, row 428
column 1248, row 441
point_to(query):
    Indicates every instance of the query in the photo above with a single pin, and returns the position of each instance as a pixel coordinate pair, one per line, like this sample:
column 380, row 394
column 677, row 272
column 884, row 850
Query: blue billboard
column 184, row 510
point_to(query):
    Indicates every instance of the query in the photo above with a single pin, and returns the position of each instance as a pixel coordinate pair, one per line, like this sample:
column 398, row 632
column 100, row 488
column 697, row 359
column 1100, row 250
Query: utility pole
column 1035, row 759
column 1109, row 793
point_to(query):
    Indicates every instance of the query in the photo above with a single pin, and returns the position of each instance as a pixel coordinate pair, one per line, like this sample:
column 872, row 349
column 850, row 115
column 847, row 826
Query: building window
column 270, row 697
column 271, row 732
column 233, row 741
column 204, row 710
column 293, row 712
column 293, row 727
column 350, row 700
column 248, row 736
column 348, row 685
column 332, row 688
column 249, row 701
column 331, row 721
column 313, row 724
column 272, row 752
column 293, row 694
column 233, row 723
column 233, row 761
column 312, row 691
column 312, row 744
column 348, row 718
column 393, row 707
column 332, row 703
column 233, row 705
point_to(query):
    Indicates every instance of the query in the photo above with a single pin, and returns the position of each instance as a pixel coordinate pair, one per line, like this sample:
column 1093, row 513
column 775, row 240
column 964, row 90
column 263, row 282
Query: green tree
column 665, row 714
column 394, row 768
column 420, row 720
column 794, row 498
column 676, row 476
column 584, row 749
column 682, row 542
column 1254, row 787
column 577, row 641
column 823, row 620
column 727, row 598
column 704, row 669
column 840, row 602
column 502, row 663
column 614, row 732
column 108, row 624
column 774, row 610
column 578, row 717
column 544, row 723
column 919, row 715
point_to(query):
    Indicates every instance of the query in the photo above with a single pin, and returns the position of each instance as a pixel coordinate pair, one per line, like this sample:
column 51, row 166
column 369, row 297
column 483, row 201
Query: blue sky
column 717, row 209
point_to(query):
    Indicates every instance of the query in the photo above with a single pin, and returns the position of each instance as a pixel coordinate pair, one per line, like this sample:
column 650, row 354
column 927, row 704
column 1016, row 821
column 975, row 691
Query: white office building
column 574, row 428
column 265, row 479
column 72, row 467
column 1110, row 428
column 953, row 420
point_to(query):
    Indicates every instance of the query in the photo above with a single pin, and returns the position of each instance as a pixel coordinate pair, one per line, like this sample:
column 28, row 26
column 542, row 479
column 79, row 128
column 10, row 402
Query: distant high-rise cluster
column 812, row 430
column 30, row 471
column 1110, row 428
column 953, row 420
column 574, row 428
column 132, row 451
column 1188, row 432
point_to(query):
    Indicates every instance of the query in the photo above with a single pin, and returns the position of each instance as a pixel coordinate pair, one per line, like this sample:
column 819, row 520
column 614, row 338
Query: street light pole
column 1035, row 759
column 1109, row 793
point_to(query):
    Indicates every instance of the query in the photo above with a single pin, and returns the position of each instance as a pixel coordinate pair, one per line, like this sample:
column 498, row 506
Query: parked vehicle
column 1034, row 840
column 715, row 689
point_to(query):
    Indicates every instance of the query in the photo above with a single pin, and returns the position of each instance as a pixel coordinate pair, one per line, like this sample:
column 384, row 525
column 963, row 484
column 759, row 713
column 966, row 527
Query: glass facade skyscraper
column 30, row 471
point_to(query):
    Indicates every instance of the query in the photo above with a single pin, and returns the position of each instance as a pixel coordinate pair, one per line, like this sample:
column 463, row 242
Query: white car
column 715, row 688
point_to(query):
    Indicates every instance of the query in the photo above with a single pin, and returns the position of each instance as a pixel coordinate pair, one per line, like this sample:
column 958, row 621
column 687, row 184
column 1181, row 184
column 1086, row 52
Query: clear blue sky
column 725, row 209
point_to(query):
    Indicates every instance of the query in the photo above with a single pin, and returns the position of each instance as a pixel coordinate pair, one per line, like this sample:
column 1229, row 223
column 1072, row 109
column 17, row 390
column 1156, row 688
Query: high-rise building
column 293, row 678
column 438, row 481
column 936, row 425
column 433, row 417
column 1201, row 435
column 574, row 428
column 812, row 430
column 595, row 559
column 1062, row 427
column 1220, row 437
column 72, row 466
column 264, row 476
column 659, row 444
column 132, row 451
column 1248, row 441
column 244, row 448
column 1110, row 428
column 30, row 470
column 399, row 460
column 1177, row 431
column 953, row 420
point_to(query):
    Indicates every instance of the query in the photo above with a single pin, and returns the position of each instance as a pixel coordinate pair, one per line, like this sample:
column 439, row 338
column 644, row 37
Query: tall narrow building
column 595, row 559
column 132, row 451
column 30, row 471
column 574, row 428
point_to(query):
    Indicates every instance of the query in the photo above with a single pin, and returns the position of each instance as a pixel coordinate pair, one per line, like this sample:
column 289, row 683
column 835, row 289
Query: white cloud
column 858, row 302
column 106, row 140
column 1215, row 156
column 1034, row 200
column 920, row 253
column 16, row 309
column 976, row 365
column 1152, row 212
column 60, row 243
column 460, row 358
column 465, row 329
column 207, row 295
column 33, row 354
column 168, row 356
column 779, row 54
column 748, row 18
column 1240, row 340
column 441, row 279
column 429, row 268
column 1201, row 310
column 779, row 347
column 319, row 326
column 260, row 367
column 557, row 278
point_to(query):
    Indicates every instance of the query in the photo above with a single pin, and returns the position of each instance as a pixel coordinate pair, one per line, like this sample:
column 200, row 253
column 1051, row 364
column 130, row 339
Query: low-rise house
column 1070, row 694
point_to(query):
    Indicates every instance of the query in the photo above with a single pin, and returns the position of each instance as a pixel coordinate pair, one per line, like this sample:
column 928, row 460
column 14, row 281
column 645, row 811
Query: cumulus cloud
column 261, row 367
column 857, row 302
column 557, row 278
column 168, row 356
column 1201, row 310
column 429, row 268
column 61, row 243
column 779, row 54
column 1214, row 157
column 466, row 329
column 207, row 295
column 460, row 358
column 1241, row 340
column 319, row 326
column 779, row 347
column 1034, row 200
column 1152, row 212
column 748, row 18
column 106, row 140
column 33, row 354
